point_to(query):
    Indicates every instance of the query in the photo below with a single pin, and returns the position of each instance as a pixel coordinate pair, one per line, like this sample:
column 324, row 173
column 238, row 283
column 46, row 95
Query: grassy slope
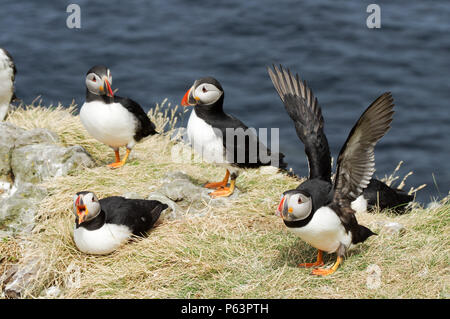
column 238, row 251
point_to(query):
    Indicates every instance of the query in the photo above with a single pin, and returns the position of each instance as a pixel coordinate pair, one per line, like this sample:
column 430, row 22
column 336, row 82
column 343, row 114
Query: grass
column 241, row 250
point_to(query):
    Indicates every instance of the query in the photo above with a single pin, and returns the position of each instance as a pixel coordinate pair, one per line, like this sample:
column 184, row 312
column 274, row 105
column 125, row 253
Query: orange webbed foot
column 318, row 263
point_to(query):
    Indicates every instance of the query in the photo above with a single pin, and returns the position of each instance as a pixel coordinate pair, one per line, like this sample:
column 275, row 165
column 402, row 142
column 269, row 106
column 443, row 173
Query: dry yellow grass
column 239, row 251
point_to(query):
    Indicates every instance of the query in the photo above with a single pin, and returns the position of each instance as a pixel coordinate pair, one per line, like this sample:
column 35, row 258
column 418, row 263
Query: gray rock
column 12, row 137
column 18, row 210
column 36, row 136
column 51, row 292
column 133, row 195
column 184, row 196
column 8, row 134
column 172, row 212
column 391, row 228
column 36, row 163
column 23, row 278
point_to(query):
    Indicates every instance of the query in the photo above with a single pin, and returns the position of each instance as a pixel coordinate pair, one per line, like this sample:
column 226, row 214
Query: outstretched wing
column 304, row 110
column 356, row 161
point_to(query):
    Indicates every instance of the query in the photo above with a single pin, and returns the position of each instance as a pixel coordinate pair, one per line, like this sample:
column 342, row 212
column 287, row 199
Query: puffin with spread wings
column 319, row 211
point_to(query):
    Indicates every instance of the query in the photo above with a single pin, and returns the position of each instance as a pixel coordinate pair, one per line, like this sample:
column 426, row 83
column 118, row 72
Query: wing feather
column 356, row 160
column 304, row 110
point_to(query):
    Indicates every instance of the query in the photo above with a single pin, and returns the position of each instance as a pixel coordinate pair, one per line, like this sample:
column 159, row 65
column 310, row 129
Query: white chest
column 206, row 141
column 101, row 241
column 111, row 124
column 324, row 231
column 6, row 84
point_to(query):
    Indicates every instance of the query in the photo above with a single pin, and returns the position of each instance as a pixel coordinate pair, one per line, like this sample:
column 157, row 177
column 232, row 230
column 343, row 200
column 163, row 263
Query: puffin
column 377, row 195
column 7, row 76
column 222, row 138
column 320, row 211
column 113, row 120
column 102, row 226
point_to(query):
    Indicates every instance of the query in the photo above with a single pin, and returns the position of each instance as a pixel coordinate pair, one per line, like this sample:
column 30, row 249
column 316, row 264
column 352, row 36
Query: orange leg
column 223, row 183
column 318, row 263
column 224, row 191
column 327, row 271
column 119, row 163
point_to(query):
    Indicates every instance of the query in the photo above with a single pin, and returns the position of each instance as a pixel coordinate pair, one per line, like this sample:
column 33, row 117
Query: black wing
column 145, row 127
column 138, row 214
column 243, row 146
column 356, row 161
column 304, row 110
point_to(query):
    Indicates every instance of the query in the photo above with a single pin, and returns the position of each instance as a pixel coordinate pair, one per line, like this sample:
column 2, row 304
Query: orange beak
column 82, row 211
column 280, row 206
column 111, row 94
column 185, row 100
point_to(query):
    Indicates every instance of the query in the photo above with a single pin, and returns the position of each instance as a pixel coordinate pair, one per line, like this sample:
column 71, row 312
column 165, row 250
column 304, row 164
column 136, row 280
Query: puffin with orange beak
column 320, row 211
column 102, row 226
column 221, row 138
column 111, row 119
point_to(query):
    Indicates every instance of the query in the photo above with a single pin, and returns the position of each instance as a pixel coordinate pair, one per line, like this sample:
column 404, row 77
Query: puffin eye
column 94, row 79
column 204, row 90
column 300, row 200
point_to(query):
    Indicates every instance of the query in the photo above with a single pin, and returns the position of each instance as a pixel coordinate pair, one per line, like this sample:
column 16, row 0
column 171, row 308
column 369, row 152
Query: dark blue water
column 157, row 48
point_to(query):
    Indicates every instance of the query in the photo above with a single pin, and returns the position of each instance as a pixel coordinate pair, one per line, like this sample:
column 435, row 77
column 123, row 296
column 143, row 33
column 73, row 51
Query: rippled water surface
column 156, row 49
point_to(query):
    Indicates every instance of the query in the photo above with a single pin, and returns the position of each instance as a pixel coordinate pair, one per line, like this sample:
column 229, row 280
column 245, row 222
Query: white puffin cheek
column 92, row 86
column 211, row 95
column 299, row 211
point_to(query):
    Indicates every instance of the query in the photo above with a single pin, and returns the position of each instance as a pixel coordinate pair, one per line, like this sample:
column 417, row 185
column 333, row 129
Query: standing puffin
column 208, row 128
column 318, row 211
column 101, row 226
column 7, row 75
column 376, row 195
column 111, row 119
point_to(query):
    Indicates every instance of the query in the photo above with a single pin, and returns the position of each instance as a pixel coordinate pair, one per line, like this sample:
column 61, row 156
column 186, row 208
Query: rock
column 12, row 137
column 8, row 133
column 373, row 280
column 29, row 157
column 185, row 197
column 36, row 163
column 172, row 212
column 51, row 292
column 36, row 136
column 132, row 195
column 178, row 186
column 23, row 278
column 18, row 210
column 391, row 228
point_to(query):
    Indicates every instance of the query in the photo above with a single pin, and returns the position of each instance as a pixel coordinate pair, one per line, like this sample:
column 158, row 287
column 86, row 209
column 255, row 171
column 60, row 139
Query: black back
column 138, row 214
column 379, row 194
column 215, row 116
column 145, row 127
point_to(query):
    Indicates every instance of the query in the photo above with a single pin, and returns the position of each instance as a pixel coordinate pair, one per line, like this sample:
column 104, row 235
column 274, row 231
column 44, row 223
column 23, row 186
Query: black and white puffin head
column 99, row 81
column 295, row 205
column 85, row 206
column 205, row 91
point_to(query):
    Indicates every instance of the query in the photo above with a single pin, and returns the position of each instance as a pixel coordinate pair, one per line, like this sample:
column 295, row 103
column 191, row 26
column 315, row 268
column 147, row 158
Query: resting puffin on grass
column 7, row 75
column 318, row 211
column 111, row 119
column 208, row 128
column 101, row 226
